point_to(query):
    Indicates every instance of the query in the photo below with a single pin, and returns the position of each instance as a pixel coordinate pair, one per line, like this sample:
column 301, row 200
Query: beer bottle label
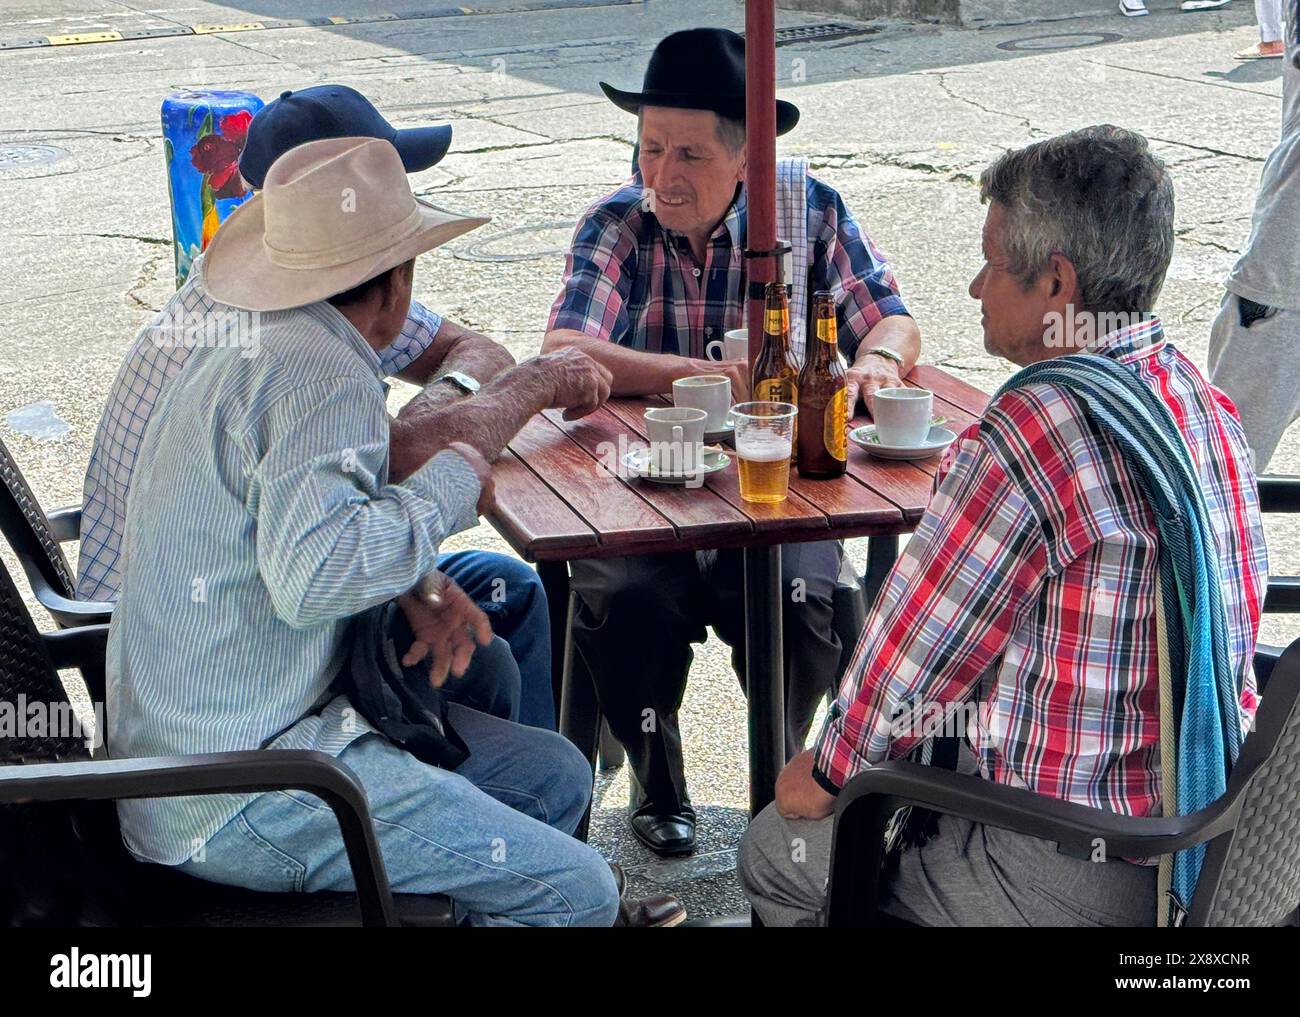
column 828, row 330
column 775, row 390
column 778, row 321
column 835, row 426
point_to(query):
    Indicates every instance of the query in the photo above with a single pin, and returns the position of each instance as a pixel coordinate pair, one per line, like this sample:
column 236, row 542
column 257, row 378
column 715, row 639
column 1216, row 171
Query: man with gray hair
column 1025, row 604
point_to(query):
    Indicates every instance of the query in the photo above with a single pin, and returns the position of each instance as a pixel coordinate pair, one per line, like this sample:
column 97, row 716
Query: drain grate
column 1071, row 40
column 16, row 158
column 821, row 32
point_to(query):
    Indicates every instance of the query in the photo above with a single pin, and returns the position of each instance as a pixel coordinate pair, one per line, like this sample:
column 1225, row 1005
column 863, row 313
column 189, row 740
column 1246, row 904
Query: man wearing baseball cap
column 451, row 363
column 268, row 478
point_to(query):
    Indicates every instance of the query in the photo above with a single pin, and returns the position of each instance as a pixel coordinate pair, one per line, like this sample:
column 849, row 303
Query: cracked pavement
column 901, row 121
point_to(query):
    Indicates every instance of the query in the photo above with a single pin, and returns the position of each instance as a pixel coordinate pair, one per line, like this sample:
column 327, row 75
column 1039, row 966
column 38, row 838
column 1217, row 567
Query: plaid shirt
column 150, row 365
column 1027, row 595
column 629, row 280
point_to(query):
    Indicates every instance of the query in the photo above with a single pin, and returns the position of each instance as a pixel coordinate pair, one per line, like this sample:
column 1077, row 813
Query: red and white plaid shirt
column 1024, row 605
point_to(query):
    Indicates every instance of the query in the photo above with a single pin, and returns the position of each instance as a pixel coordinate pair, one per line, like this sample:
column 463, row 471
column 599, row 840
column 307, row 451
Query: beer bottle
column 775, row 376
column 823, row 410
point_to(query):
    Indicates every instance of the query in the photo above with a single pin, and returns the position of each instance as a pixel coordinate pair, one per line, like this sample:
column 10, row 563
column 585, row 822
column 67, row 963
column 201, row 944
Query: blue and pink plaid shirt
column 630, row 281
column 1028, row 593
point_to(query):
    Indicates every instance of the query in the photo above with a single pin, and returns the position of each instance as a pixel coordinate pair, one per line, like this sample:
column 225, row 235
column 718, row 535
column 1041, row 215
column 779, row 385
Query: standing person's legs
column 510, row 593
column 486, row 846
column 632, row 630
column 810, row 645
column 1255, row 358
column 1269, row 15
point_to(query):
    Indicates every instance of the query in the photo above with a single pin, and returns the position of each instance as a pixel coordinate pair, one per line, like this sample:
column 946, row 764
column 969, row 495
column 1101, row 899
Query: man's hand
column 735, row 370
column 581, row 385
column 446, row 633
column 798, row 796
column 487, row 493
column 866, row 377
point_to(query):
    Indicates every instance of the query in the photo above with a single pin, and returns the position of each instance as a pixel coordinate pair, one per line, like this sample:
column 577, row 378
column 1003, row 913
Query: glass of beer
column 764, row 438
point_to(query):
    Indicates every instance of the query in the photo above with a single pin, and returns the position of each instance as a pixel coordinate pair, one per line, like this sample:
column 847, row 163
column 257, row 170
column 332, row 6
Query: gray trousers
column 1259, row 368
column 637, row 617
column 968, row 874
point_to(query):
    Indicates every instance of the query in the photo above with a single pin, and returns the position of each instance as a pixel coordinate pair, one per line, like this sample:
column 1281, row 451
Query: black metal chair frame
column 29, row 663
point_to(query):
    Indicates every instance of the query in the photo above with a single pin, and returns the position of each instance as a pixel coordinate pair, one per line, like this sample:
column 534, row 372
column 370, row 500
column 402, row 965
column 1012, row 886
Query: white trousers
column 1259, row 369
column 1269, row 15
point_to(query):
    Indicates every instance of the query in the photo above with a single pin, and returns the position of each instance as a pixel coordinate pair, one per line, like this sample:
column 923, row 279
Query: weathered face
column 690, row 172
column 1014, row 317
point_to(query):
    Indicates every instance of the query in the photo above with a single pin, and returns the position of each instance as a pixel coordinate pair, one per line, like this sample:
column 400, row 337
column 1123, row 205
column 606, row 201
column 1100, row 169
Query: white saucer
column 936, row 441
column 637, row 463
column 727, row 434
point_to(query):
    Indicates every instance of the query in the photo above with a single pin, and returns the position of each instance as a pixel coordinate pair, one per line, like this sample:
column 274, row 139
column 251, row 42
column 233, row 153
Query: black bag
column 399, row 702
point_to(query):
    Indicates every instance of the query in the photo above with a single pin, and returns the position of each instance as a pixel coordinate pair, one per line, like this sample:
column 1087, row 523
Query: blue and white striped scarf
column 1208, row 723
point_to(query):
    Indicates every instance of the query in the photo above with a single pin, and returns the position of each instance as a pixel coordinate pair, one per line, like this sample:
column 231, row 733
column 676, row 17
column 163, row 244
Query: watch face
column 462, row 381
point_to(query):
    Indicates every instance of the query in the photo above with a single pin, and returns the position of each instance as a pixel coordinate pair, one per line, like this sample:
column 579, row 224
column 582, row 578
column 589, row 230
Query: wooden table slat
column 795, row 513
column 524, row 505
column 698, row 510
column 603, row 502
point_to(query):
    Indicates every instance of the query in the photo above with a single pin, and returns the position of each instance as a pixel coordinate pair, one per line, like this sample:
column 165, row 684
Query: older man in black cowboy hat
column 656, row 273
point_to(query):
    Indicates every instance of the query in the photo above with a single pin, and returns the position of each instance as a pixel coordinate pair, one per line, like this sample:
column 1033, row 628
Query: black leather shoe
column 667, row 834
column 660, row 912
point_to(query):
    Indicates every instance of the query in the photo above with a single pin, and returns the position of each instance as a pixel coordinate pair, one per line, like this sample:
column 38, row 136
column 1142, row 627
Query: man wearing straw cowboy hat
column 511, row 676
column 262, row 520
column 655, row 273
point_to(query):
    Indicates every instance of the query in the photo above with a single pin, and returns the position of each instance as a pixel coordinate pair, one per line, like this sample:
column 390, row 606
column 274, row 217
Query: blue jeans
column 511, row 595
column 495, row 834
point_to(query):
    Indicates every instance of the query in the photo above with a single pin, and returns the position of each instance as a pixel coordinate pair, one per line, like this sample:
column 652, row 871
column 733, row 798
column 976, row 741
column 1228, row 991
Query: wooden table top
column 556, row 500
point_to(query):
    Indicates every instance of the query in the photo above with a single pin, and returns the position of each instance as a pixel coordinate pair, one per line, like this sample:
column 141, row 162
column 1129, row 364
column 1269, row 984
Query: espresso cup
column 734, row 345
column 676, row 436
column 903, row 415
column 708, row 392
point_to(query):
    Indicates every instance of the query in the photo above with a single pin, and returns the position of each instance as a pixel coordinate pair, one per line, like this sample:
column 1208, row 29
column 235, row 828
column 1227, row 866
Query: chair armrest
column 1279, row 494
column 1282, row 594
column 82, row 647
column 866, row 803
column 72, row 613
column 65, row 523
column 223, row 773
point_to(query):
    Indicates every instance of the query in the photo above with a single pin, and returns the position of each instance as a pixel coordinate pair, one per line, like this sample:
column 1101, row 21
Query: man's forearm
column 473, row 354
column 899, row 333
column 635, row 371
column 486, row 421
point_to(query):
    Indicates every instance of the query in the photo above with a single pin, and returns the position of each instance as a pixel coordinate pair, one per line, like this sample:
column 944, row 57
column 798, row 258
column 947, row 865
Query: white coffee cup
column 676, row 436
column 903, row 415
column 708, row 392
column 734, row 345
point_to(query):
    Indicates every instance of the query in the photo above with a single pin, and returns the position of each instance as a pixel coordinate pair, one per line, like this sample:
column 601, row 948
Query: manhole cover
column 523, row 243
column 1072, row 40
column 15, row 159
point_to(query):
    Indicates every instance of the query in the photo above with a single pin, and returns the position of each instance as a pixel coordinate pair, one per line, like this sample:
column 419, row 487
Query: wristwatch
column 461, row 380
column 884, row 351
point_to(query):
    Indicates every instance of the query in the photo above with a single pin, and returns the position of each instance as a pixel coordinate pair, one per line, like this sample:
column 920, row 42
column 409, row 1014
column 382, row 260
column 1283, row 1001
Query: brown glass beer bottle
column 823, row 439
column 775, row 376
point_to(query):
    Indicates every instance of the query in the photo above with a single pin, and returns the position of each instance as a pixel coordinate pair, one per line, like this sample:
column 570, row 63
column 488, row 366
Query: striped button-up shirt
column 260, row 521
column 157, row 356
column 630, row 281
column 1023, row 609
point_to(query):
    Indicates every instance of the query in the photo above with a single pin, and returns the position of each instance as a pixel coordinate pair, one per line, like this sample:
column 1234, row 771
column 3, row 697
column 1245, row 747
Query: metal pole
column 760, row 157
column 764, row 657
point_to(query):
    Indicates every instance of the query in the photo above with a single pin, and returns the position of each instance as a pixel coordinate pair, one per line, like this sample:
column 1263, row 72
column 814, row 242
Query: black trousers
column 637, row 617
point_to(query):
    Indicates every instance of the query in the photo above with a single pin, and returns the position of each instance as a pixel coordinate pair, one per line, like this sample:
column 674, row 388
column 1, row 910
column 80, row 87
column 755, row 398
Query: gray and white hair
column 730, row 131
column 1098, row 197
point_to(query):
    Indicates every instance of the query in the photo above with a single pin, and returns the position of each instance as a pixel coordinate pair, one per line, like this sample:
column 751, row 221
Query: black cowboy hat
column 700, row 68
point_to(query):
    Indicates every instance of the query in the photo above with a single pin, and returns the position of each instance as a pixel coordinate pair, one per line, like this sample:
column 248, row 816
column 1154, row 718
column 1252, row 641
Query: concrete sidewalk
column 901, row 120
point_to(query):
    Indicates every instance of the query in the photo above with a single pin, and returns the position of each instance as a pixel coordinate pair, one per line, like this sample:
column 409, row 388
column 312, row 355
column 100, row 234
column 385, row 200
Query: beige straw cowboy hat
column 331, row 215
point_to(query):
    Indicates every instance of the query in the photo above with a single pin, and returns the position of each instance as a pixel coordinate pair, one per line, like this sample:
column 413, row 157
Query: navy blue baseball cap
column 331, row 111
